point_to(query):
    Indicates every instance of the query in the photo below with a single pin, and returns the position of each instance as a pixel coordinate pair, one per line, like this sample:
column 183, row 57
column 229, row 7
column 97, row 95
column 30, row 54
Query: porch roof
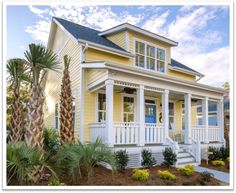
column 148, row 74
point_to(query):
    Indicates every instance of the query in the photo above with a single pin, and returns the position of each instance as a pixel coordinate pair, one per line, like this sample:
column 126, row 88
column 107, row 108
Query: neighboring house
column 130, row 92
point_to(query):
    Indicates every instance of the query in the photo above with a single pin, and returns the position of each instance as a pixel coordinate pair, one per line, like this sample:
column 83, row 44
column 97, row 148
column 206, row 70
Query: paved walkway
column 222, row 176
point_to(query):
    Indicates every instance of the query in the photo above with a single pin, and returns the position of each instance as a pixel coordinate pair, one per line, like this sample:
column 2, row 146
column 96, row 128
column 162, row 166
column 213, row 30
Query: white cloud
column 38, row 12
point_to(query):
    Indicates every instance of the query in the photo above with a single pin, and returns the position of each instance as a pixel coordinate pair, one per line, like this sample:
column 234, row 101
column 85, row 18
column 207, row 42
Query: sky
column 201, row 31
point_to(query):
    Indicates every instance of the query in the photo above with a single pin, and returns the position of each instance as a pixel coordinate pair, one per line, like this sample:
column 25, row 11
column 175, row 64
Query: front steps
column 185, row 158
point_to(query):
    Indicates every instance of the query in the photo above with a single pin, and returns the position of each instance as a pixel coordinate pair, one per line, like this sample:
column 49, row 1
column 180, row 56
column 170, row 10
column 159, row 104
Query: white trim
column 92, row 65
column 145, row 56
column 97, row 82
column 82, row 82
column 185, row 71
column 139, row 30
column 96, row 103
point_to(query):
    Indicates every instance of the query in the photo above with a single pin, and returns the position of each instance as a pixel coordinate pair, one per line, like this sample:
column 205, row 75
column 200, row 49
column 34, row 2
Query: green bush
column 140, row 174
column 218, row 153
column 51, row 140
column 188, row 170
column 21, row 161
column 228, row 159
column 122, row 159
column 56, row 183
column 218, row 163
column 147, row 159
column 166, row 175
column 170, row 158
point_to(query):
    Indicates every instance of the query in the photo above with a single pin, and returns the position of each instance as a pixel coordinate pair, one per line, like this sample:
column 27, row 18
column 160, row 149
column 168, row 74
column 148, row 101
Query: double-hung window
column 101, row 107
column 128, row 109
column 171, row 115
column 149, row 57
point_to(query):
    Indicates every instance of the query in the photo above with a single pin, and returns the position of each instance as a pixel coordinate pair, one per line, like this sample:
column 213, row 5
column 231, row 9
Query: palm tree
column 17, row 71
column 66, row 106
column 39, row 60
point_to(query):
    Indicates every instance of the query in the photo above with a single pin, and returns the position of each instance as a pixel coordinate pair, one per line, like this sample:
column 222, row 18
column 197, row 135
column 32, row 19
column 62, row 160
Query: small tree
column 169, row 156
column 66, row 106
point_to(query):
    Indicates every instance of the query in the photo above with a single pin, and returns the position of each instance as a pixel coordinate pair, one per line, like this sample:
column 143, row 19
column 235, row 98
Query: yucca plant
column 66, row 106
column 17, row 74
column 21, row 163
column 40, row 60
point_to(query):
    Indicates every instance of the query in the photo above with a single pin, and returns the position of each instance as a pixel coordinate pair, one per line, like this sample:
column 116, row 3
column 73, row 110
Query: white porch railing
column 97, row 130
column 126, row 132
column 153, row 133
column 214, row 133
column 195, row 150
column 198, row 133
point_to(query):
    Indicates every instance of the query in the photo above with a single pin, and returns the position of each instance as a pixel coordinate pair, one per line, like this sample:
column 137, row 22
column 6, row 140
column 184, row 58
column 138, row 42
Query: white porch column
column 110, row 133
column 205, row 118
column 188, row 124
column 141, row 115
column 220, row 118
column 165, row 114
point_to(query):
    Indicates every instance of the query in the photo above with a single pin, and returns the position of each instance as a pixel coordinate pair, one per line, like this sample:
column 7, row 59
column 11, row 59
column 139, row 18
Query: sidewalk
column 222, row 176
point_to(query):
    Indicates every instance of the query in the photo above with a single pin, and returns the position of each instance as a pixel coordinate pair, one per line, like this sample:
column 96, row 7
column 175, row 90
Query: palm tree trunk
column 66, row 109
column 17, row 118
column 34, row 130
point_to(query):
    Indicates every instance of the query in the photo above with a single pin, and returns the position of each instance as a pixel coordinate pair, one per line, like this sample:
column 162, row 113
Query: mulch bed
column 224, row 168
column 104, row 177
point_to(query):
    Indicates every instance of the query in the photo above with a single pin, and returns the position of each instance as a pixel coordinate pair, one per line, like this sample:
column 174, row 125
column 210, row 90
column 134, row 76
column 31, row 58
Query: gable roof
column 128, row 26
column 175, row 65
column 87, row 34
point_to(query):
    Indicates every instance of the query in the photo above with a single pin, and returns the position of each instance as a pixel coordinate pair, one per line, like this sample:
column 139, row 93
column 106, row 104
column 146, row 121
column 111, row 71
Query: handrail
column 173, row 144
column 196, row 150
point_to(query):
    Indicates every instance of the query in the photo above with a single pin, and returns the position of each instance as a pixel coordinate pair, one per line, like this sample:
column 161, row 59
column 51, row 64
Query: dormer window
column 149, row 57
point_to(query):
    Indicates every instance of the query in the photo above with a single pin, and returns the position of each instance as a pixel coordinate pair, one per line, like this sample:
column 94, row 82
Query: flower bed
column 223, row 168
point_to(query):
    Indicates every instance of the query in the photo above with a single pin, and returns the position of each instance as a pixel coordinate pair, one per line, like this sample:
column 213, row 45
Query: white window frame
column 96, row 105
column 122, row 103
column 145, row 56
column 156, row 102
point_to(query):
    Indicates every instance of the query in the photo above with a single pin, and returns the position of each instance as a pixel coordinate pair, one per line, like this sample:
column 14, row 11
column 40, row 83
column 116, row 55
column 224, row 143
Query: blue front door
column 150, row 113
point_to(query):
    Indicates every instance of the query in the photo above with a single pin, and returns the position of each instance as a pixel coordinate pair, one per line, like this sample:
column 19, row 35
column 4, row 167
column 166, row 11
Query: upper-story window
column 149, row 57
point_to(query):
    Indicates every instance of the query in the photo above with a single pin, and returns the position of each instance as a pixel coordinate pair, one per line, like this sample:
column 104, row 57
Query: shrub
column 147, row 159
column 51, row 140
column 140, row 174
column 228, row 159
column 122, row 159
column 218, row 163
column 218, row 153
column 56, row 183
column 206, row 176
column 166, row 175
column 188, row 170
column 169, row 156
column 22, row 160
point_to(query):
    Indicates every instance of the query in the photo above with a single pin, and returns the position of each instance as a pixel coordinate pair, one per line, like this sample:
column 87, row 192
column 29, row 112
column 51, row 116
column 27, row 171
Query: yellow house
column 129, row 92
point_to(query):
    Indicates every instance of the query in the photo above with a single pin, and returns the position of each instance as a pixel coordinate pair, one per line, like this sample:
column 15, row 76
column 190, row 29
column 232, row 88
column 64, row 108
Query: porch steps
column 185, row 158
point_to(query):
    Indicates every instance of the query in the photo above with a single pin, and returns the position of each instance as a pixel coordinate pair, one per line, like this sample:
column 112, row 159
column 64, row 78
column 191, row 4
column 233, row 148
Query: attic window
column 150, row 57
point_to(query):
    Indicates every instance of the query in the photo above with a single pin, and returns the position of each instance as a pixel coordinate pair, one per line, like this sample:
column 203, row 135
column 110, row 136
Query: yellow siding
column 178, row 115
column 118, row 38
column 95, row 74
column 194, row 115
column 53, row 85
column 181, row 75
column 117, row 107
column 92, row 55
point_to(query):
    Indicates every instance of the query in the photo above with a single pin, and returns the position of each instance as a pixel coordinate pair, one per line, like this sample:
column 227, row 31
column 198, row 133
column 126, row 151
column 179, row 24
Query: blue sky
column 202, row 31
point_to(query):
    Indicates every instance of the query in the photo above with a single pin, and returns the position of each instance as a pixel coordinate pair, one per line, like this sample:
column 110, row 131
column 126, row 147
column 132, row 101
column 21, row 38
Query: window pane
column 171, row 123
column 130, row 117
column 171, row 109
column 212, row 120
column 150, row 64
column 101, row 101
column 161, row 66
column 199, row 120
column 139, row 61
column 150, row 51
column 161, row 54
column 101, row 116
column 140, row 48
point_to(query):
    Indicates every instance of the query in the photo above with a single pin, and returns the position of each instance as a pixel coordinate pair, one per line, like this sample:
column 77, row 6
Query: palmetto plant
column 21, row 163
column 40, row 60
column 66, row 106
column 17, row 73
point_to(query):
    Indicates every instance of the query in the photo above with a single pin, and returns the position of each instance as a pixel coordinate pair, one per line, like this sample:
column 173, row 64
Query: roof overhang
column 127, row 26
column 175, row 68
column 154, row 75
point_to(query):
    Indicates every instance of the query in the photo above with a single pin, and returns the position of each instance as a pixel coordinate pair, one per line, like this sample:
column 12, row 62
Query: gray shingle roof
column 88, row 34
column 175, row 63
